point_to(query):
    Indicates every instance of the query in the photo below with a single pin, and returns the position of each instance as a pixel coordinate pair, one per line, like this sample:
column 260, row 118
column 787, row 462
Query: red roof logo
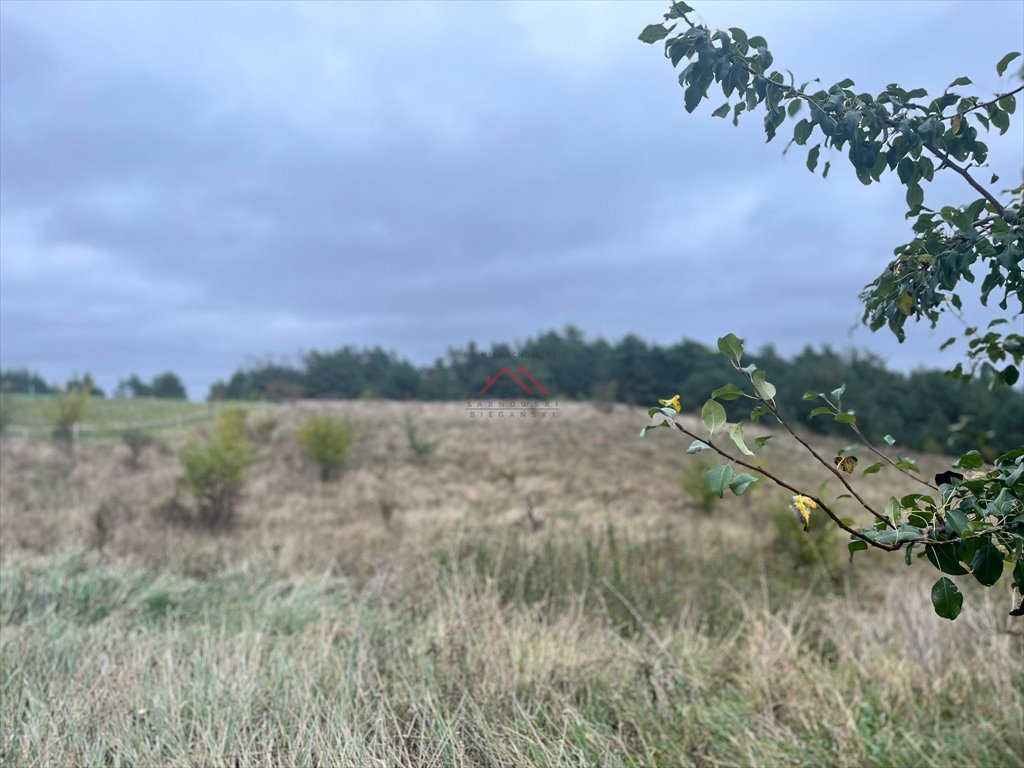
column 490, row 381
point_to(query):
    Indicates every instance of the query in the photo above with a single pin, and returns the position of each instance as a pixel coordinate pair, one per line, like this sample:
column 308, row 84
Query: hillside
column 536, row 591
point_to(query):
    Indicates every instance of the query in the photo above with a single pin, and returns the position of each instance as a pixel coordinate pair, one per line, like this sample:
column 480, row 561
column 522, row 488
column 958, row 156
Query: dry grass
column 540, row 592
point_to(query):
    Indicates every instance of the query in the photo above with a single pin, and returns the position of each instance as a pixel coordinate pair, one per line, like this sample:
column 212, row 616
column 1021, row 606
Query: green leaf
column 820, row 411
column 764, row 389
column 731, row 346
column 697, row 446
column 987, row 564
column 736, row 434
column 1005, row 62
column 719, row 478
column 738, row 35
column 945, row 558
column 741, row 483
column 845, row 418
column 906, row 463
column 915, row 195
column 760, row 441
column 713, row 415
column 794, row 107
column 654, row 32
column 812, row 157
column 692, row 96
column 824, row 173
column 957, row 520
column 722, row 111
column 959, row 81
column 1000, row 119
column 856, row 546
column 892, row 510
column 758, row 412
column 947, row 599
column 876, row 467
column 811, row 395
column 728, row 392
column 1008, row 104
column 802, row 132
column 970, row 460
column 649, row 427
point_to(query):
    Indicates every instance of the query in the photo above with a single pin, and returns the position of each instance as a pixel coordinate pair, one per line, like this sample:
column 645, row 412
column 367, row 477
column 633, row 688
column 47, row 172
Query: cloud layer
column 187, row 185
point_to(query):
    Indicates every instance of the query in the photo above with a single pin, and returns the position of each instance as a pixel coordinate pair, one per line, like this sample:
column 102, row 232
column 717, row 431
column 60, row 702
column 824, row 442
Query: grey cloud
column 248, row 180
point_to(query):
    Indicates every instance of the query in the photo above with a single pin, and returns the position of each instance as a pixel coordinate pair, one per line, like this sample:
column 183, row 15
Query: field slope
column 535, row 592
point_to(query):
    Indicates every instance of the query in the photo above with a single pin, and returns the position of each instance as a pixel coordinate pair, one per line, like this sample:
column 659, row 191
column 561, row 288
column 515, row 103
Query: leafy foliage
column 68, row 410
column 969, row 521
column 215, row 471
column 897, row 131
column 326, row 441
column 164, row 385
column 421, row 447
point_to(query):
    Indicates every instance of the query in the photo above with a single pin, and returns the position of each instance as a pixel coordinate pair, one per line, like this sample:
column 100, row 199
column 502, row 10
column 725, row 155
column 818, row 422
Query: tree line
column 20, row 381
column 925, row 409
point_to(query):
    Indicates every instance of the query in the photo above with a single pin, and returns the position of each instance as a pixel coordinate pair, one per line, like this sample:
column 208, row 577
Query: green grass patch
column 110, row 664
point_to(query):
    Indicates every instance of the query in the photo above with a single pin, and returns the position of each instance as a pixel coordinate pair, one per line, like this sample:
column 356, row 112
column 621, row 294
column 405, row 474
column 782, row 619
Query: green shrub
column 421, row 448
column 136, row 441
column 326, row 441
column 820, row 547
column 604, row 395
column 263, row 429
column 6, row 414
column 694, row 484
column 215, row 470
column 68, row 411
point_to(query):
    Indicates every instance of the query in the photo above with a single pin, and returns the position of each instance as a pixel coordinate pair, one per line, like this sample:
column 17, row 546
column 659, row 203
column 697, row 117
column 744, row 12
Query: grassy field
column 107, row 418
column 535, row 592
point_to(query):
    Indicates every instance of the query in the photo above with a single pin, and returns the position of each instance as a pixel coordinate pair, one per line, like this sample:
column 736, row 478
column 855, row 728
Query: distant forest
column 925, row 410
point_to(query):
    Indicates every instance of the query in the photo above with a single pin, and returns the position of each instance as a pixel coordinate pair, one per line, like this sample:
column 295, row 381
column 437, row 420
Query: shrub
column 817, row 548
column 136, row 441
column 604, row 396
column 326, row 441
column 215, row 470
column 421, row 448
column 694, row 484
column 69, row 410
column 263, row 429
column 6, row 414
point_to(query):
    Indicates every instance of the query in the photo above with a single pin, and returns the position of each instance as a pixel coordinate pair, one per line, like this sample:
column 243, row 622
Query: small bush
column 136, row 441
column 694, row 484
column 69, row 410
column 605, row 395
column 263, row 429
column 326, row 441
column 818, row 547
column 421, row 448
column 215, row 471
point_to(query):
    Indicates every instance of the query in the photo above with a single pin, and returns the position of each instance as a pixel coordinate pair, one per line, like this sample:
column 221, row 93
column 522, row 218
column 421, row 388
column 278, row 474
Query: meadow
column 540, row 592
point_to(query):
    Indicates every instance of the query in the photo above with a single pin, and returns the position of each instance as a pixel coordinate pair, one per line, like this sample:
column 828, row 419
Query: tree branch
column 947, row 161
column 796, row 491
column 984, row 105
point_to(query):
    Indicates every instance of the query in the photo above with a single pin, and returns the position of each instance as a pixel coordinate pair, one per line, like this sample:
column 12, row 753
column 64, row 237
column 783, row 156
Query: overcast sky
column 194, row 185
